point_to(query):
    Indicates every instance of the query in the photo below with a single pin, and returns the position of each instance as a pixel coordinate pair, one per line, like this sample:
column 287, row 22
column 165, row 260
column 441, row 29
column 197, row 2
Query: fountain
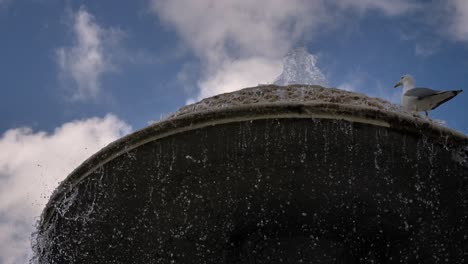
column 269, row 174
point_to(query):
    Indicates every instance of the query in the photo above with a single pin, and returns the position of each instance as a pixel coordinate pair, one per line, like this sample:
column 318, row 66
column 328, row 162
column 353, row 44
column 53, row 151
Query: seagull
column 422, row 99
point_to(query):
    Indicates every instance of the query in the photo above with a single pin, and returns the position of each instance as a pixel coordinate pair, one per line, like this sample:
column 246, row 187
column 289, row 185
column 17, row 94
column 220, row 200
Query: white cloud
column 356, row 80
column 437, row 21
column 236, row 74
column 391, row 8
column 241, row 42
column 215, row 29
column 90, row 56
column 386, row 92
column 237, row 39
column 349, row 86
column 363, row 82
column 31, row 166
column 459, row 16
column 426, row 49
column 4, row 3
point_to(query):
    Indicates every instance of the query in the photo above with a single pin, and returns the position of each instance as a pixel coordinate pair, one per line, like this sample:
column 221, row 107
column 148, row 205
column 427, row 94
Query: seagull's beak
column 397, row 84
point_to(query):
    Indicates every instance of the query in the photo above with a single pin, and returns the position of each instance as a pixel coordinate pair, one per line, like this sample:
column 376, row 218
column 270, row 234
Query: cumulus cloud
column 31, row 166
column 89, row 57
column 241, row 42
column 233, row 75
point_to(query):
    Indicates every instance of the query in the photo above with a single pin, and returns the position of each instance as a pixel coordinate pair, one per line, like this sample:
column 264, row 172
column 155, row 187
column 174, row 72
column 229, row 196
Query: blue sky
column 76, row 75
column 363, row 44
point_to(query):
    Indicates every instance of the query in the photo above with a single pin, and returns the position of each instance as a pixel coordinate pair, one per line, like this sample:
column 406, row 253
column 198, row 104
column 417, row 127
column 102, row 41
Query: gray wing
column 421, row 92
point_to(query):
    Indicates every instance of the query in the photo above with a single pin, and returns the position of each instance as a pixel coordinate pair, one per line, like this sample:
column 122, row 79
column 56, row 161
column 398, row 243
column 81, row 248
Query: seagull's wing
column 421, row 93
column 431, row 99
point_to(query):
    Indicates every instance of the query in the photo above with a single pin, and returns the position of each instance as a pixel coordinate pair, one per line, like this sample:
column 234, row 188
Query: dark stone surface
column 267, row 191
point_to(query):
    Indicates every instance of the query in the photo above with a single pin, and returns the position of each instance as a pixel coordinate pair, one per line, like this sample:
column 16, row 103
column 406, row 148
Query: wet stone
column 290, row 190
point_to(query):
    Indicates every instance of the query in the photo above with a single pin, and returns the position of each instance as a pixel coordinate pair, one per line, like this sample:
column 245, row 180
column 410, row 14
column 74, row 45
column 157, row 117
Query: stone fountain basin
column 268, row 175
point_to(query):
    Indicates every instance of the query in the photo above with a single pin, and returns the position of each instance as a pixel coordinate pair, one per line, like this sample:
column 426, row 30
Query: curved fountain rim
column 279, row 110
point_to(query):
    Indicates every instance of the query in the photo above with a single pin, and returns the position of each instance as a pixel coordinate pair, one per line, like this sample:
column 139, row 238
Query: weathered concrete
column 342, row 179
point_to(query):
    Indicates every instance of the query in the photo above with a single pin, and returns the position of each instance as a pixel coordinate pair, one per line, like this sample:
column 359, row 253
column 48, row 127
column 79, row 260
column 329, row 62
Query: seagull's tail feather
column 448, row 95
